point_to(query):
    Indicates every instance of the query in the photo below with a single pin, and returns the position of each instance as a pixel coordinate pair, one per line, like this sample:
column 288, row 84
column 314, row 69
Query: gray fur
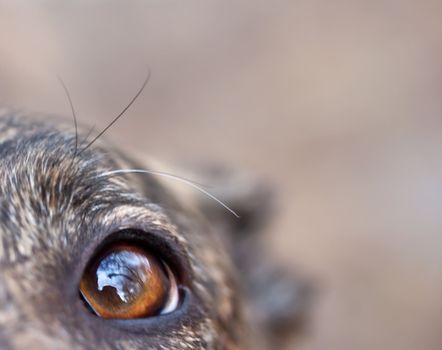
column 55, row 209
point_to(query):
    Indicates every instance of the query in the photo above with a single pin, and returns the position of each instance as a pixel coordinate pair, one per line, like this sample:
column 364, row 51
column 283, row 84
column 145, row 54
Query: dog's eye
column 126, row 281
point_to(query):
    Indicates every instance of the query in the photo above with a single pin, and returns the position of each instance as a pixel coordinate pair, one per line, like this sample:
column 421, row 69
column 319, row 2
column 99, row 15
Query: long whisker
column 173, row 177
column 120, row 114
column 74, row 115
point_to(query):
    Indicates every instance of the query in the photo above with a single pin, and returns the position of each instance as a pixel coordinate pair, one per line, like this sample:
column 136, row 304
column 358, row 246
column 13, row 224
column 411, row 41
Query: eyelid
column 146, row 218
column 158, row 241
column 153, row 230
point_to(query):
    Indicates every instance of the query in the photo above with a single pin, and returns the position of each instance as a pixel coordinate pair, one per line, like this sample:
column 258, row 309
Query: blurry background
column 338, row 103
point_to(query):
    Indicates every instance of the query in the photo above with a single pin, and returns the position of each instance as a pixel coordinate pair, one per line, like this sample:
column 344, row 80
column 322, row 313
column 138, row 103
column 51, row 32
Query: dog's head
column 93, row 255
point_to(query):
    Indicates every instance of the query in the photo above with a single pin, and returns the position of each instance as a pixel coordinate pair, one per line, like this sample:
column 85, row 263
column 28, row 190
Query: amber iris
column 125, row 281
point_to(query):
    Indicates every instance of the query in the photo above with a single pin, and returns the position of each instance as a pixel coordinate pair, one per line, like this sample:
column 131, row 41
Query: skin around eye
column 127, row 282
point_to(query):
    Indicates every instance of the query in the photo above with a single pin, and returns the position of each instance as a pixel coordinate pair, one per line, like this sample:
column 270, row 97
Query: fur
column 56, row 209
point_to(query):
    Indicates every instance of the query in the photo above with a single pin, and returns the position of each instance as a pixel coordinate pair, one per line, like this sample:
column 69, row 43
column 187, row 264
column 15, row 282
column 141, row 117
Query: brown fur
column 55, row 209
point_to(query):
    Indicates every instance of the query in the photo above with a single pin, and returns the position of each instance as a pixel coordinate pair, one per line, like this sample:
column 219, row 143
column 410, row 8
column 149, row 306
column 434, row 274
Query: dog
column 101, row 251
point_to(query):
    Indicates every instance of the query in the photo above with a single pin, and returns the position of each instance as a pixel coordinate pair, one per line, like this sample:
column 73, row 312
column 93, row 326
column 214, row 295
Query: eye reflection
column 124, row 271
column 126, row 281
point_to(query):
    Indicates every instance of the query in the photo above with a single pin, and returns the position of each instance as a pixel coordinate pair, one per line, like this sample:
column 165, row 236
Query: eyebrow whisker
column 74, row 115
column 140, row 90
column 172, row 177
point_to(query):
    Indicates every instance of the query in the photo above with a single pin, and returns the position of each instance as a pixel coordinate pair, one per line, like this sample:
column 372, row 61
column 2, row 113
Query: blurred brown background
column 336, row 102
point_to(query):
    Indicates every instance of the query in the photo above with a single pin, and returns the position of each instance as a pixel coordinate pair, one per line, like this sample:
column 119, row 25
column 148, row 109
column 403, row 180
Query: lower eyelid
column 161, row 323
